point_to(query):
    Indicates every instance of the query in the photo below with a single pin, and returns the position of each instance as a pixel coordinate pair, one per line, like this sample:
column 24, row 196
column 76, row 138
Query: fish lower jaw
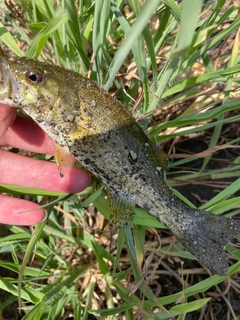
column 9, row 102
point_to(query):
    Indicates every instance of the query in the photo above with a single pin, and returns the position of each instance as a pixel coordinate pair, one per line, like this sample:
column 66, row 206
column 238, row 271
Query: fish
column 89, row 125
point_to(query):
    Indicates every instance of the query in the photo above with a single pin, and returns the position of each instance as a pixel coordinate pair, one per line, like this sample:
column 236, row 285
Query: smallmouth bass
column 93, row 127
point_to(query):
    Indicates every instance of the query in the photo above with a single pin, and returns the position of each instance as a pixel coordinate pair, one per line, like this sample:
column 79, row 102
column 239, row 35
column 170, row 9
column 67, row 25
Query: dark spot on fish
column 132, row 156
column 87, row 161
column 90, row 114
column 146, row 207
column 142, row 177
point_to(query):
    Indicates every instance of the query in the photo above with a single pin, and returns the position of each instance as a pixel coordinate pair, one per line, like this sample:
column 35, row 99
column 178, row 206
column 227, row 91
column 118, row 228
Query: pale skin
column 23, row 133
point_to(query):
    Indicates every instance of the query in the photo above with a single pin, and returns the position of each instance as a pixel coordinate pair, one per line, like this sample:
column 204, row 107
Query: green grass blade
column 136, row 30
column 76, row 35
column 226, row 193
column 190, row 15
column 53, row 295
column 29, row 252
column 6, row 38
column 39, row 41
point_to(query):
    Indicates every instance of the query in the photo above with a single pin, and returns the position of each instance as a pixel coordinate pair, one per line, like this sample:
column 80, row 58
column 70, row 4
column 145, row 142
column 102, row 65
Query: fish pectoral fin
column 121, row 209
column 63, row 158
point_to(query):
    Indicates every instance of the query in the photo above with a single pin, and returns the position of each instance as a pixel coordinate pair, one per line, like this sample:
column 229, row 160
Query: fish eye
column 34, row 77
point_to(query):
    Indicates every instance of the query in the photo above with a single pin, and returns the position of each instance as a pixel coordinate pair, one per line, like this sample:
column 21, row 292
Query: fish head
column 6, row 83
column 31, row 85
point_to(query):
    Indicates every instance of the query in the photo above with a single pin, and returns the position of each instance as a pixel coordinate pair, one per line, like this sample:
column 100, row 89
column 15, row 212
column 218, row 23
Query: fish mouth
column 8, row 84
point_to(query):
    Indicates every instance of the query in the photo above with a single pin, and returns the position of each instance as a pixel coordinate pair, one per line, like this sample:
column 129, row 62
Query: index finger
column 25, row 134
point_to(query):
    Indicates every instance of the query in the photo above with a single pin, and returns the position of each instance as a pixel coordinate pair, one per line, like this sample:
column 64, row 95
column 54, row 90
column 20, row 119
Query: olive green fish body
column 98, row 131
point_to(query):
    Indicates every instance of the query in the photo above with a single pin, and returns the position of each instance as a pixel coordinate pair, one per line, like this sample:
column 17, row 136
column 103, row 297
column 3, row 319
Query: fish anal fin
column 63, row 158
column 121, row 209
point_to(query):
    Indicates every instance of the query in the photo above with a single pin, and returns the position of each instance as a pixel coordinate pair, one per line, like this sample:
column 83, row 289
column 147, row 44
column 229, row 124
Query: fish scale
column 95, row 128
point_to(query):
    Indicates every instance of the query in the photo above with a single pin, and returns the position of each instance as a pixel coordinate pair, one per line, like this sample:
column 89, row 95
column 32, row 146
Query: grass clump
column 175, row 66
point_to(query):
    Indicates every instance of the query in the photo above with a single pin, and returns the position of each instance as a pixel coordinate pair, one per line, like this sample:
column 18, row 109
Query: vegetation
column 175, row 66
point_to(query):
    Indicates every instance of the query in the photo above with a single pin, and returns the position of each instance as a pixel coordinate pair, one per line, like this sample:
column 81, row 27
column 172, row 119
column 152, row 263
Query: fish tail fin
column 205, row 237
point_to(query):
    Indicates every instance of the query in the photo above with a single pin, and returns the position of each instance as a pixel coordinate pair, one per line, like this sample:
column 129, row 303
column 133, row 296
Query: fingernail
column 45, row 216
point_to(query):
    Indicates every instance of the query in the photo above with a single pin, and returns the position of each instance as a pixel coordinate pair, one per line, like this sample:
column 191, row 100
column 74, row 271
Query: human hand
column 19, row 170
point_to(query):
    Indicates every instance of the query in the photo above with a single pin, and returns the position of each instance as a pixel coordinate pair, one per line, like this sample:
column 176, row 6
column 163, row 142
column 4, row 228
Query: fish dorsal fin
column 162, row 159
column 121, row 209
column 158, row 157
column 63, row 158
